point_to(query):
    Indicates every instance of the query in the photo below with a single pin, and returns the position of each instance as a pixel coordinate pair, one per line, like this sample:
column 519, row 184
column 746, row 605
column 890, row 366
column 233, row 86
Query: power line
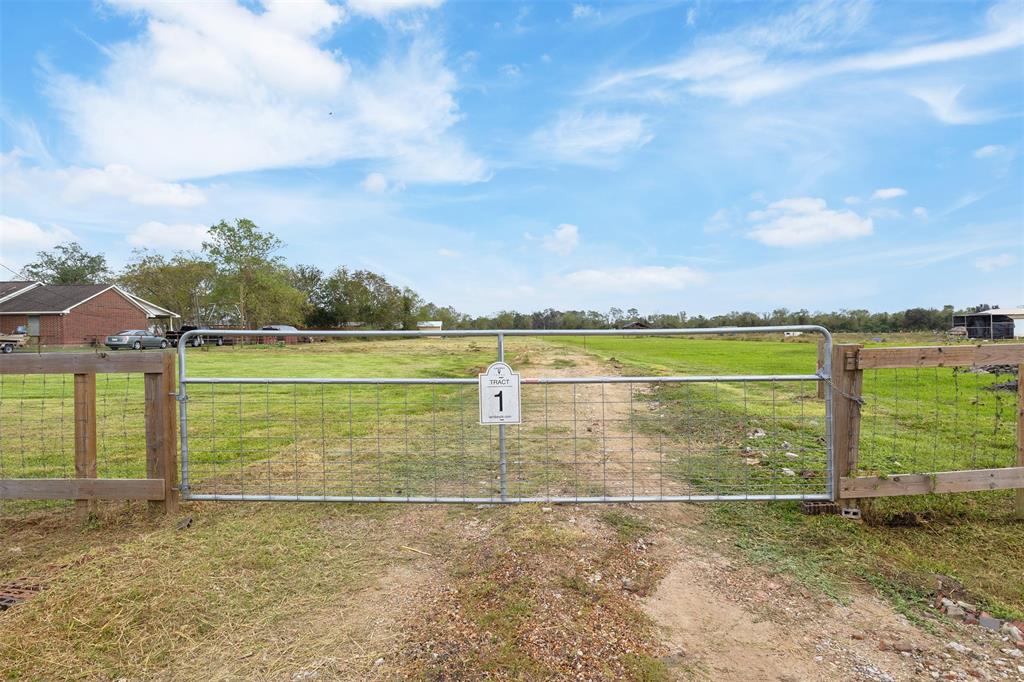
column 19, row 274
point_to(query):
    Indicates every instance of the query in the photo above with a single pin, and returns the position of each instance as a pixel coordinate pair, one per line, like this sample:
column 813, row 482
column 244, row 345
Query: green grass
column 914, row 420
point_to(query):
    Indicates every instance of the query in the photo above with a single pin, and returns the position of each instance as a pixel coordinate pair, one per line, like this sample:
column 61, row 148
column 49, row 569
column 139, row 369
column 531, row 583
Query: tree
column 251, row 277
column 184, row 283
column 69, row 263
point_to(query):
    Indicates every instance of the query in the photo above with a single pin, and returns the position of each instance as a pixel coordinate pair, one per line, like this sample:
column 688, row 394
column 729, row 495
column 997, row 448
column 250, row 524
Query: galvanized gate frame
column 823, row 374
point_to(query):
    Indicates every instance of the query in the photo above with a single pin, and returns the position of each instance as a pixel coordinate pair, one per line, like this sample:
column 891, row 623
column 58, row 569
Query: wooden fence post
column 847, row 381
column 1018, row 510
column 85, row 436
column 161, row 440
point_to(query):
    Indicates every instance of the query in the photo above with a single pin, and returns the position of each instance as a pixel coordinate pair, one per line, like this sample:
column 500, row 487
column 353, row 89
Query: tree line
column 238, row 278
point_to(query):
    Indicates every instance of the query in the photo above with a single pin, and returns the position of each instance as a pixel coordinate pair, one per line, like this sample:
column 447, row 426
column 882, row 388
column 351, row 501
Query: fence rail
column 949, row 445
column 159, row 487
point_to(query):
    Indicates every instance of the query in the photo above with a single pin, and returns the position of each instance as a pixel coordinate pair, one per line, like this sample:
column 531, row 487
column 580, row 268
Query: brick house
column 72, row 314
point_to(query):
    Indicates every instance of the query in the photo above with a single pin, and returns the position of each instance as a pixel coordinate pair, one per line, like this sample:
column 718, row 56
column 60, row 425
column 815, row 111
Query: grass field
column 135, row 597
column 914, row 421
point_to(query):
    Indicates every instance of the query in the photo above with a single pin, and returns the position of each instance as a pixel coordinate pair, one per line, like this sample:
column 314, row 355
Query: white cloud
column 889, row 193
column 448, row 253
column 381, row 9
column 921, row 212
column 990, row 263
column 592, row 139
column 117, row 180
column 757, row 60
column 215, row 88
column 511, row 71
column 852, row 200
column 691, row 16
column 563, row 240
column 581, row 11
column 635, row 279
column 24, row 235
column 376, row 183
column 804, row 221
column 945, row 106
column 989, row 151
column 720, row 221
column 75, row 185
column 159, row 236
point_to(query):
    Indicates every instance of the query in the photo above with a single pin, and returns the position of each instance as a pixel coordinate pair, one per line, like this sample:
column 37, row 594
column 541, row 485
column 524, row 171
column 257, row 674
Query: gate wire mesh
column 582, row 439
column 37, row 430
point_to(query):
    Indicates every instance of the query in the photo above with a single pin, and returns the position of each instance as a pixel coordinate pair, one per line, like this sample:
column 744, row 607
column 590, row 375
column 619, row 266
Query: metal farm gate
column 503, row 433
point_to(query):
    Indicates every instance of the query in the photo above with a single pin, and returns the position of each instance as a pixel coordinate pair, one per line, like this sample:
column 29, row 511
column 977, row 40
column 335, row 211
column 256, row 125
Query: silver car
column 136, row 339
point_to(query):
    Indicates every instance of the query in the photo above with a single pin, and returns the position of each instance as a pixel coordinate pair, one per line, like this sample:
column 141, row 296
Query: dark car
column 194, row 341
column 136, row 339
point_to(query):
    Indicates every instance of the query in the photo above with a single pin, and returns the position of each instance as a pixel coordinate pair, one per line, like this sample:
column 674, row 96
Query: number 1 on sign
column 501, row 401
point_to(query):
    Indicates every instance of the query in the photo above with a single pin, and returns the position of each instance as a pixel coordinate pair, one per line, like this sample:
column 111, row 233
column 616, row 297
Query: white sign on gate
column 499, row 395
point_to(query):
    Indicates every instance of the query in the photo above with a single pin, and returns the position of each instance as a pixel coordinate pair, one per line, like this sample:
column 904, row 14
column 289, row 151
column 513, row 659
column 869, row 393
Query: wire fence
column 37, row 430
column 935, row 419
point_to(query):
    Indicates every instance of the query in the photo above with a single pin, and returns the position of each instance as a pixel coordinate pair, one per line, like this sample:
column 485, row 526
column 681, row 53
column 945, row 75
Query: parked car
column 136, row 339
column 194, row 341
column 8, row 342
column 290, row 338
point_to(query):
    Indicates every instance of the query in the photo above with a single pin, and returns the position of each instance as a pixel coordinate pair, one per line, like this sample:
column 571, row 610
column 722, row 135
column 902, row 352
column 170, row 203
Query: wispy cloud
column 763, row 63
column 18, row 235
column 805, row 221
column 160, row 236
column 989, row 150
column 889, row 193
column 381, row 9
column 996, row 262
column 635, row 279
column 945, row 105
column 581, row 11
column 592, row 138
column 563, row 240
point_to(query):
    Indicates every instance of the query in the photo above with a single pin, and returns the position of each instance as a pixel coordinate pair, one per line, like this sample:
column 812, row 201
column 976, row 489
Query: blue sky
column 698, row 156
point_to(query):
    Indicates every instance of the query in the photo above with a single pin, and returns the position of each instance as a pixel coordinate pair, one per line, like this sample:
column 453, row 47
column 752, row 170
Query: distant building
column 72, row 314
column 997, row 323
column 792, row 333
column 635, row 324
column 430, row 326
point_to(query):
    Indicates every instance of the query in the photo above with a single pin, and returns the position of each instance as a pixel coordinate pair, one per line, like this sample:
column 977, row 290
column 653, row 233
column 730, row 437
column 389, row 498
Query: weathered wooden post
column 847, row 382
column 85, row 437
column 161, row 433
column 1018, row 509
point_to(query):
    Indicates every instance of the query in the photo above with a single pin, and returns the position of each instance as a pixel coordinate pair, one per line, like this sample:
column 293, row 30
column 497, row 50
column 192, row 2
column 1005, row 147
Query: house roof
column 1009, row 312
column 56, row 299
column 11, row 289
column 152, row 309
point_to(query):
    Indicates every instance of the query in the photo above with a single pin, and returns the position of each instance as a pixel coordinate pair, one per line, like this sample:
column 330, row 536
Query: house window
column 33, row 325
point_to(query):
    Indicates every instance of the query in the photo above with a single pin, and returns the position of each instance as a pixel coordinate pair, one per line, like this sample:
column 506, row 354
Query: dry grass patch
column 551, row 593
column 246, row 591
